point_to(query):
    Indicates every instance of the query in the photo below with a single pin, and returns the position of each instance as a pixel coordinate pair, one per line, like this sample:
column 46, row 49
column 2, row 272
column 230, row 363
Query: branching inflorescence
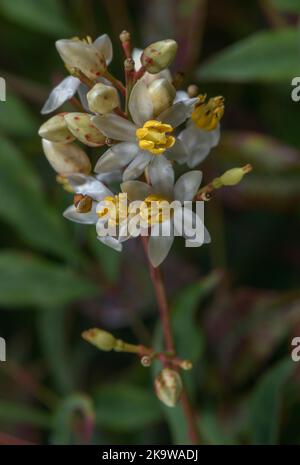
column 149, row 127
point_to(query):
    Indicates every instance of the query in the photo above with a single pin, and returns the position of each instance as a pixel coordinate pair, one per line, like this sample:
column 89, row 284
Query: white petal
column 82, row 91
column 84, row 218
column 187, row 186
column 140, row 104
column 117, row 157
column 188, row 224
column 195, row 243
column 161, row 176
column 215, row 136
column 111, row 242
column 159, row 246
column 104, row 46
column 111, row 176
column 178, row 113
column 136, row 190
column 88, row 185
column 177, row 152
column 65, row 90
column 181, row 95
column 137, row 166
column 115, row 127
column 136, row 55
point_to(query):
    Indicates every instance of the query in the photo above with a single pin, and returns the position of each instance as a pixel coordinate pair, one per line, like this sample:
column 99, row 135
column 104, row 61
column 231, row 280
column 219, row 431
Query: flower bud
column 100, row 338
column 159, row 55
column 56, row 129
column 168, row 387
column 82, row 128
column 102, row 98
column 162, row 94
column 83, row 203
column 82, row 55
column 234, row 176
column 66, row 159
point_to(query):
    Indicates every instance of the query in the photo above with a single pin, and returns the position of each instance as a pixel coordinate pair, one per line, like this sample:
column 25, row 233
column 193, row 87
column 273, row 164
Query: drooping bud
column 82, row 128
column 83, row 203
column 102, row 98
column 159, row 55
column 162, row 94
column 103, row 340
column 66, row 159
column 82, row 55
column 56, row 130
column 168, row 387
column 235, row 175
column 193, row 90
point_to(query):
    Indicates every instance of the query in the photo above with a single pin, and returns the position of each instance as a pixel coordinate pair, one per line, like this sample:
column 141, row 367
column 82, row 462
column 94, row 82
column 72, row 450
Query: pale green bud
column 103, row 99
column 162, row 94
column 82, row 128
column 235, row 175
column 103, row 340
column 168, row 387
column 159, row 55
column 56, row 129
column 66, row 159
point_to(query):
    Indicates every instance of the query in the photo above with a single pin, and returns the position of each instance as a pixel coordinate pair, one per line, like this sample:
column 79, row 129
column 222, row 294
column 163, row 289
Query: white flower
column 202, row 132
column 102, row 196
column 181, row 222
column 145, row 140
column 68, row 87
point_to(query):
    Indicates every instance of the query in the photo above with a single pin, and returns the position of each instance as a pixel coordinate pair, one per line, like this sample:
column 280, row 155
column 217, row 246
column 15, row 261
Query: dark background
column 235, row 301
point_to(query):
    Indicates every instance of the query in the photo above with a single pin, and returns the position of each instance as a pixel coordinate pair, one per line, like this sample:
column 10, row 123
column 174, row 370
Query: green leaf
column 63, row 427
column 18, row 414
column 15, row 117
column 125, row 407
column 52, row 335
column 44, row 16
column 264, row 405
column 264, row 56
column 23, row 206
column 212, row 431
column 188, row 337
column 26, row 280
column 292, row 6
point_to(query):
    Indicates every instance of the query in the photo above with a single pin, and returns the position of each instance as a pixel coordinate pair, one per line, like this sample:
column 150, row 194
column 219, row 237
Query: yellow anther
column 207, row 115
column 155, row 209
column 115, row 207
column 153, row 137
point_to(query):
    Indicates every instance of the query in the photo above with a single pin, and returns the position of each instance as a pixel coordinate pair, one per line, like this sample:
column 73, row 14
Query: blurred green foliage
column 236, row 301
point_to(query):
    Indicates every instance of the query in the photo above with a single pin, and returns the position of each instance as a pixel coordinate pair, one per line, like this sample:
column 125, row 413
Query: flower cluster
column 148, row 127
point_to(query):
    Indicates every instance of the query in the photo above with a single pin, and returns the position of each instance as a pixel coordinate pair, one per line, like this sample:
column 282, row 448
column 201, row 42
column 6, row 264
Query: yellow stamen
column 155, row 209
column 207, row 115
column 115, row 207
column 153, row 137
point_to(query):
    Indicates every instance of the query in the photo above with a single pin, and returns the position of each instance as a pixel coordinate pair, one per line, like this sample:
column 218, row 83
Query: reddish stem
column 9, row 440
column 163, row 306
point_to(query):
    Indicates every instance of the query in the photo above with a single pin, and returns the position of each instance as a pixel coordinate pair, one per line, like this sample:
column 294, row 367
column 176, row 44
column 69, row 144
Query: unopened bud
column 56, row 129
column 162, row 94
column 103, row 340
column 66, row 159
column 159, row 55
column 82, row 128
column 83, row 203
column 186, row 365
column 102, row 98
column 193, row 90
column 146, row 361
column 82, row 55
column 168, row 387
column 234, row 176
column 124, row 36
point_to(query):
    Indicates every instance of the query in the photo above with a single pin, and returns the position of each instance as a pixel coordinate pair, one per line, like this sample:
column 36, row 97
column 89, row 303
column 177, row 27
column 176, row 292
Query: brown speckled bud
column 158, row 56
column 102, row 98
column 66, row 159
column 56, row 129
column 168, row 387
column 83, row 129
